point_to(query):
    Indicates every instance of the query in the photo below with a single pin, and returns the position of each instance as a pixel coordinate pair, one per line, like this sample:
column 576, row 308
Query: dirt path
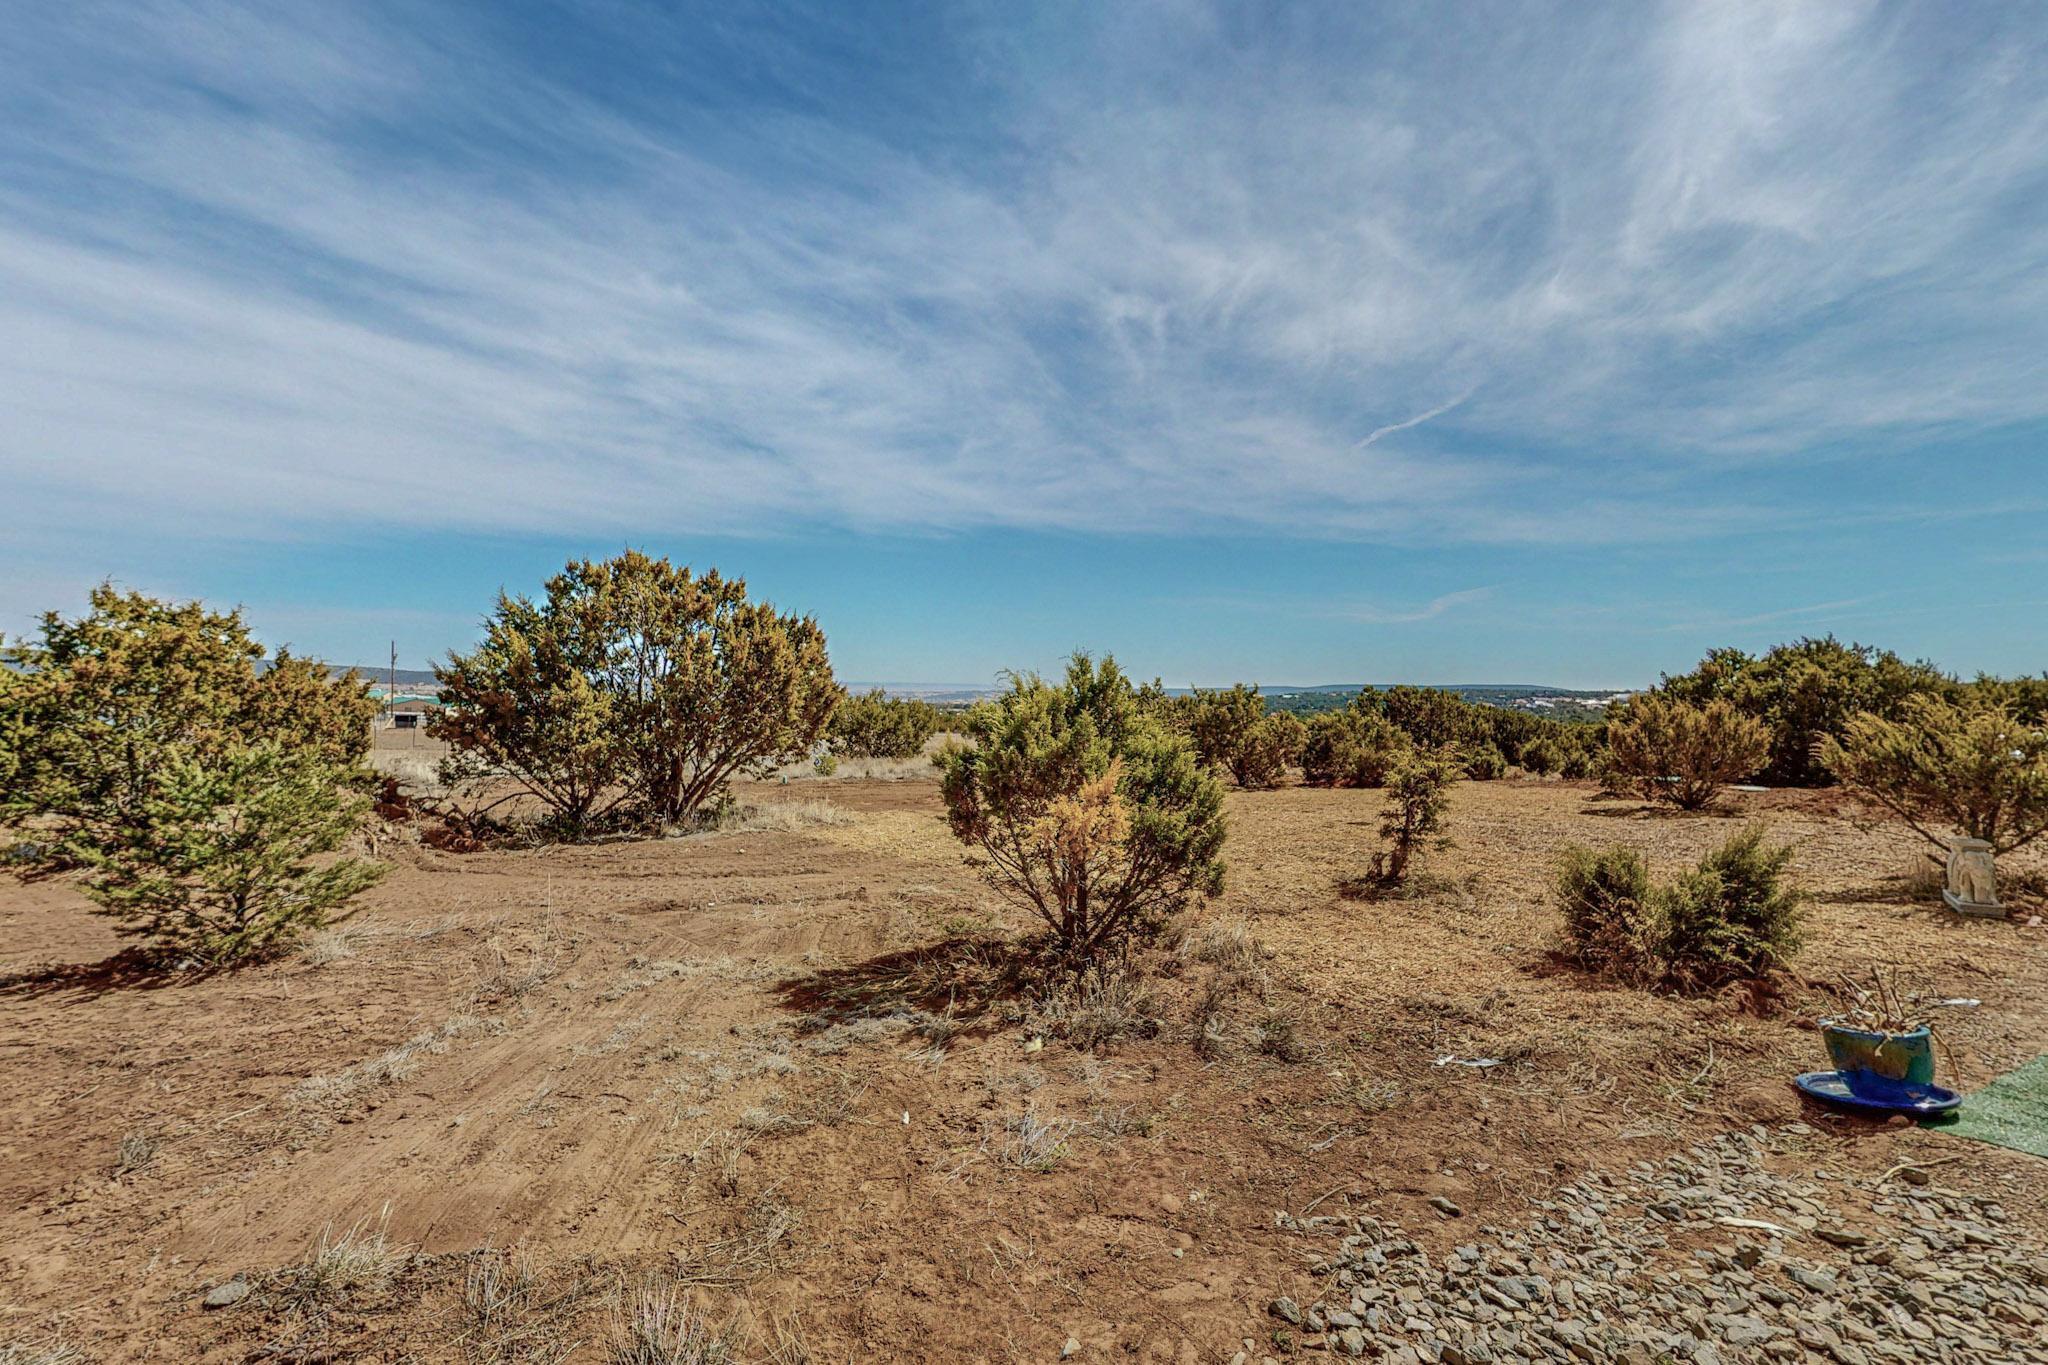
column 768, row 1065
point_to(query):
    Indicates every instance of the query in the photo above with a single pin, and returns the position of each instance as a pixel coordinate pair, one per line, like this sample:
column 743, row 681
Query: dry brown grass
column 1103, row 1006
column 323, row 947
column 361, row 1261
column 657, row 1325
column 782, row 817
column 417, row 770
column 136, row 1151
column 1030, row 1143
column 387, row 1068
column 759, row 1246
column 517, row 1313
column 53, row 1351
column 917, row 768
column 1227, row 942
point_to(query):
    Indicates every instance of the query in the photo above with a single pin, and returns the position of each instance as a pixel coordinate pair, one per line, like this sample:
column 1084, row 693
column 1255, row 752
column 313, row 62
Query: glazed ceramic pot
column 1877, row 1063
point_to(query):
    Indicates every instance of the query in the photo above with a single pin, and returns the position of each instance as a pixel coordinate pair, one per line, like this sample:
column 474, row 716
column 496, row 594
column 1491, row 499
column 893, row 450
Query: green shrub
column 1580, row 763
column 1607, row 903
column 1805, row 693
column 195, row 792
column 1275, row 745
column 1084, row 806
column 1683, row 754
column 635, row 690
column 1431, row 716
column 224, row 868
column 1351, row 748
column 1233, row 732
column 1483, row 762
column 1732, row 918
column 2025, row 698
column 876, row 725
column 1974, row 769
column 1418, row 796
column 1541, row 757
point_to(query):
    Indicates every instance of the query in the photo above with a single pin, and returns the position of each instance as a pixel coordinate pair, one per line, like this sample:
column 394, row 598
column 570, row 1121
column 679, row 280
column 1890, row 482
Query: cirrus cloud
column 1154, row 268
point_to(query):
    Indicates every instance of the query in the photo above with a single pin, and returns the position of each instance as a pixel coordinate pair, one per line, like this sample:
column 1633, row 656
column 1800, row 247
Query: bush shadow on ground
column 129, row 969
column 964, row 977
column 1629, row 808
column 1892, row 892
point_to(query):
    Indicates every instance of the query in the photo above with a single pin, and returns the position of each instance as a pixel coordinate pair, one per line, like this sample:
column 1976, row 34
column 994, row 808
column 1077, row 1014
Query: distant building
column 408, row 714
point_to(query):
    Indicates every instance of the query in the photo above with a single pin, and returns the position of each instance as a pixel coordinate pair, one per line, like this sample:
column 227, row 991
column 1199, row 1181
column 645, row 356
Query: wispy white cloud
column 1810, row 612
column 1380, row 615
column 294, row 267
column 1373, row 437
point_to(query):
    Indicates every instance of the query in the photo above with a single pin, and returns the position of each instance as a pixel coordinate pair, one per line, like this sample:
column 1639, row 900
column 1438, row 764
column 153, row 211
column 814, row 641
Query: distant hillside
column 1563, row 703
column 1558, row 703
column 377, row 673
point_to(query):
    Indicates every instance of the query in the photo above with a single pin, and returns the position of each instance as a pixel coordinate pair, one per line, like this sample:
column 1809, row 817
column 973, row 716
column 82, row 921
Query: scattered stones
column 1807, row 1279
column 1625, row 1267
column 1445, row 1207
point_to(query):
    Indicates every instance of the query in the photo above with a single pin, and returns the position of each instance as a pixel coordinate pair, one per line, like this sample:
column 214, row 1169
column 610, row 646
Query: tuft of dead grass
column 721, row 1153
column 642, row 972
column 917, row 768
column 496, row 1287
column 53, row 1351
column 397, row 1064
column 780, row 817
column 323, row 947
column 1030, row 1143
column 361, row 1261
column 756, row 1248
column 515, row 1311
column 658, row 1326
column 851, row 1033
column 1920, row 878
column 1109, row 1122
column 137, row 1150
column 786, row 1344
column 829, row 1105
column 1227, row 943
column 1275, row 1034
column 1372, row 1095
column 1101, row 1007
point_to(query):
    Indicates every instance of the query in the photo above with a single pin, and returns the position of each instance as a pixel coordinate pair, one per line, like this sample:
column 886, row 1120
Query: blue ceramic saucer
column 1884, row 1097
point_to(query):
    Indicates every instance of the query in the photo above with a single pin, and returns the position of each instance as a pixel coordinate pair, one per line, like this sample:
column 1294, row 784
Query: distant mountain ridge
column 423, row 677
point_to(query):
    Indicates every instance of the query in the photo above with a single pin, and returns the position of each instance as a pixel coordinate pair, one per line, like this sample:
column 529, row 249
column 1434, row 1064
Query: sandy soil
column 779, row 1067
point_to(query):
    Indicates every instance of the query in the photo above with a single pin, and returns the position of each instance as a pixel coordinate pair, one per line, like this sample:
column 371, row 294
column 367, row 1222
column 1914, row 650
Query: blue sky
column 1476, row 342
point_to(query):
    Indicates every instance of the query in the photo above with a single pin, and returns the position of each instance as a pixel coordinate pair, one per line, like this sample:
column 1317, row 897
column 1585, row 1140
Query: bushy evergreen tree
column 876, row 725
column 1084, row 806
column 1418, row 798
column 199, row 794
column 1805, row 693
column 1975, row 769
column 1234, row 733
column 635, row 689
column 1676, row 752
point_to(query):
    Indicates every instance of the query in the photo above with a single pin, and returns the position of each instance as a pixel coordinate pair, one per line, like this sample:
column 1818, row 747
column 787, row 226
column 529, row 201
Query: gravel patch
column 1706, row 1257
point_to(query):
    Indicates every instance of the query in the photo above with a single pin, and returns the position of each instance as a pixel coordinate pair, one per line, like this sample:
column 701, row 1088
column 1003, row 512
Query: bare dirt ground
column 779, row 1069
